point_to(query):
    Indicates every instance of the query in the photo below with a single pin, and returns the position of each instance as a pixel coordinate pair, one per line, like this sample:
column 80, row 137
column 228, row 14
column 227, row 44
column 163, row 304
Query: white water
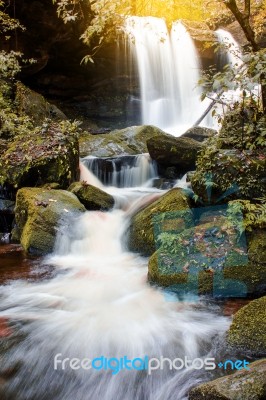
column 134, row 174
column 231, row 53
column 100, row 304
column 231, row 48
column 169, row 70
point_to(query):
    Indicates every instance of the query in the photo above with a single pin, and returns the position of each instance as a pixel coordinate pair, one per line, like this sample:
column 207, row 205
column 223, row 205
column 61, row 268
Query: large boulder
column 236, row 272
column 92, row 197
column 142, row 226
column 35, row 106
column 248, row 329
column 242, row 385
column 199, row 133
column 170, row 151
column 38, row 212
column 46, row 154
column 128, row 141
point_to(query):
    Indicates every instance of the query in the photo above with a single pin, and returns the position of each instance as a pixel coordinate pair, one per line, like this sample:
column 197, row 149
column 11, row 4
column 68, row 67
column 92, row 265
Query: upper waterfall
column 169, row 69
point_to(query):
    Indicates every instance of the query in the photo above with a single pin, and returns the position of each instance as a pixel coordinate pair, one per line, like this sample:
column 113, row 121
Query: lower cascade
column 123, row 171
column 98, row 305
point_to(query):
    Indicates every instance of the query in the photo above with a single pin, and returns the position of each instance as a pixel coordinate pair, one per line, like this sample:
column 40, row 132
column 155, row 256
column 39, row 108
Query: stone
column 248, row 271
column 35, row 105
column 46, row 155
column 38, row 213
column 141, row 230
column 92, row 197
column 128, row 141
column 199, row 133
column 248, row 329
column 170, row 151
column 242, row 385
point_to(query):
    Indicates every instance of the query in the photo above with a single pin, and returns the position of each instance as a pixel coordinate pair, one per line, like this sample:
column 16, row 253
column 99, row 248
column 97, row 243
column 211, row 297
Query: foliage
column 254, row 213
column 7, row 23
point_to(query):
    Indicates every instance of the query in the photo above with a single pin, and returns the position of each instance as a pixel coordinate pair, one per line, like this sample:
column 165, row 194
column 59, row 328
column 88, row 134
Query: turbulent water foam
column 100, row 304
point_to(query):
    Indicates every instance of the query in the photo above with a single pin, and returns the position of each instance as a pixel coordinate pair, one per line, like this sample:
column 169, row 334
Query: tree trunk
column 243, row 18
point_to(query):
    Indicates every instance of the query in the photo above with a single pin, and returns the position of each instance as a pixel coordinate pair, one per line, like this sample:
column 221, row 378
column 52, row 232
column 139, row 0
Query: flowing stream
column 100, row 304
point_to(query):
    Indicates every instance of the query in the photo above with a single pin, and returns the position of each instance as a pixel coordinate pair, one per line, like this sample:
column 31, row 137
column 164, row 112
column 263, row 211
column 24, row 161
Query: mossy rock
column 92, row 197
column 248, row 329
column 35, row 105
column 242, row 385
column 199, row 133
column 38, row 213
column 169, row 151
column 249, row 274
column 141, row 234
column 44, row 155
column 184, row 264
column 128, row 141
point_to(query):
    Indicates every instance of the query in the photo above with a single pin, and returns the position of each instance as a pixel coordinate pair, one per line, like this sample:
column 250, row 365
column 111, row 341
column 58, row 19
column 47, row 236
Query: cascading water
column 169, row 70
column 99, row 304
column 123, row 171
column 230, row 53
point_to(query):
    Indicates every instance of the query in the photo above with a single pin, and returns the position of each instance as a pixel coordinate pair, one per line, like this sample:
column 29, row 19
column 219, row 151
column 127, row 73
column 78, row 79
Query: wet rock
column 38, row 213
column 199, row 133
column 48, row 154
column 141, row 237
column 128, row 141
column 171, row 151
column 232, row 266
column 92, row 197
column 248, row 329
column 242, row 385
column 35, row 105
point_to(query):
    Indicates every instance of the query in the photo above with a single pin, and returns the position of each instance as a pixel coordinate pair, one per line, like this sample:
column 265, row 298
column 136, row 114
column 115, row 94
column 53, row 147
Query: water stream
column 99, row 304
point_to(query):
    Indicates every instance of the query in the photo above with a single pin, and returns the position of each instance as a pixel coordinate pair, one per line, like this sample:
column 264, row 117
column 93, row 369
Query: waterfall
column 231, row 53
column 168, row 69
column 123, row 171
column 99, row 305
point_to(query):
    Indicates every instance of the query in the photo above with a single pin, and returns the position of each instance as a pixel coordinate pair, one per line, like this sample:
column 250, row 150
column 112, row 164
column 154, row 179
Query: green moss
column 44, row 155
column 38, row 212
column 141, row 230
column 92, row 197
column 248, row 329
column 128, row 141
column 242, row 385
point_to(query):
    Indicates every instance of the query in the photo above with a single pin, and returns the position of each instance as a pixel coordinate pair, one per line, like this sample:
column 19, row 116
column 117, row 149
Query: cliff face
column 102, row 90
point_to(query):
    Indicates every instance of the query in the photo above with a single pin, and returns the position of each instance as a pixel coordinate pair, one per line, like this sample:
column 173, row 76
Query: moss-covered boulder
column 141, row 231
column 248, row 329
column 48, row 154
column 221, row 259
column 38, row 212
column 128, row 141
column 240, row 174
column 92, row 197
column 242, row 385
column 35, row 106
column 186, row 256
column 199, row 133
column 169, row 151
